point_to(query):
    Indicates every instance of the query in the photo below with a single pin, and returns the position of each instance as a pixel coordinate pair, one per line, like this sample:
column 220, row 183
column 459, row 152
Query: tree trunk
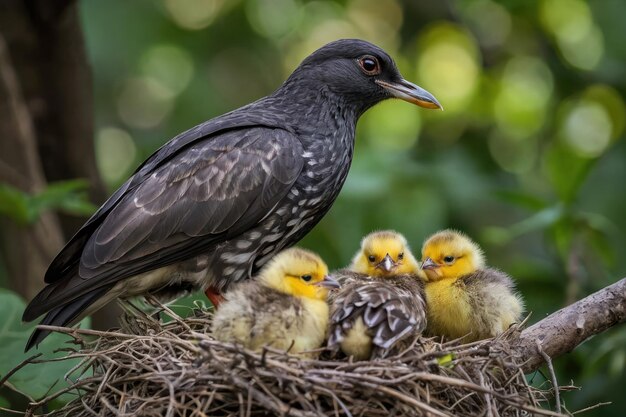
column 46, row 45
column 51, row 87
column 26, row 249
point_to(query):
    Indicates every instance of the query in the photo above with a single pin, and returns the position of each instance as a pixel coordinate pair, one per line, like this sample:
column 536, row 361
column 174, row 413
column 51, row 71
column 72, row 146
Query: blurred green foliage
column 528, row 156
column 66, row 196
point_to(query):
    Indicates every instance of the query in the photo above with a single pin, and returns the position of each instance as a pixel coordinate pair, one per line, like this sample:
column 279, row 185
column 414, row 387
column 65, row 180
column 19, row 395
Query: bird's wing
column 67, row 260
column 207, row 193
column 493, row 296
column 487, row 276
column 388, row 310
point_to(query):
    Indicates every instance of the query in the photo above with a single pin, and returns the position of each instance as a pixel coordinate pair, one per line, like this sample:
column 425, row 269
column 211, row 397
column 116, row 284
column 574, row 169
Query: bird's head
column 384, row 253
column 360, row 74
column 450, row 254
column 300, row 273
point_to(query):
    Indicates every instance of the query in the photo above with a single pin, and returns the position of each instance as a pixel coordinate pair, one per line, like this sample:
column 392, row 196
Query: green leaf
column 541, row 220
column 446, row 360
column 599, row 231
column 563, row 233
column 14, row 204
column 67, row 196
column 33, row 380
column 566, row 171
column 522, row 199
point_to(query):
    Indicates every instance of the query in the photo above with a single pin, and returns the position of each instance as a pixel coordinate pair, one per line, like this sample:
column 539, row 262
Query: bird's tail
column 66, row 314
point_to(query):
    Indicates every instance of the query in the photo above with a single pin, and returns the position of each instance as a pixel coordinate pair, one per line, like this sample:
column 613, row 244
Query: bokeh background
column 529, row 156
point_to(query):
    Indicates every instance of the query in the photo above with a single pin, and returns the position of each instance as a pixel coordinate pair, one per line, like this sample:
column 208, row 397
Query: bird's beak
column 386, row 264
column 328, row 282
column 429, row 264
column 410, row 92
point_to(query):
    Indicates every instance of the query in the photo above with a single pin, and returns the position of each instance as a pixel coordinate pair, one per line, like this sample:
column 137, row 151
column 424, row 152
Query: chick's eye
column 306, row 278
column 401, row 255
column 371, row 258
column 448, row 259
column 370, row 65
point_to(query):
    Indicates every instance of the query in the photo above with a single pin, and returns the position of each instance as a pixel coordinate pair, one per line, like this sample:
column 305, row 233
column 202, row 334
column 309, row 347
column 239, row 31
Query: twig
column 592, row 407
column 17, row 368
column 555, row 385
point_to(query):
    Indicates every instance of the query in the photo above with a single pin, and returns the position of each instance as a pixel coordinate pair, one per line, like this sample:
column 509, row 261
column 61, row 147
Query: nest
column 177, row 369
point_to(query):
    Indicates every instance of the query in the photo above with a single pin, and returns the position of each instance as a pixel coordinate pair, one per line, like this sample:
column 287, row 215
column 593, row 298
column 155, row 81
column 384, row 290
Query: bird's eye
column 401, row 255
column 448, row 259
column 306, row 278
column 372, row 258
column 369, row 65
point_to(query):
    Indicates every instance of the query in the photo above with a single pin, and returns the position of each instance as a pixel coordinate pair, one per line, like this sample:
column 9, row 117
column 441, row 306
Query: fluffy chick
column 381, row 302
column 383, row 254
column 464, row 297
column 284, row 307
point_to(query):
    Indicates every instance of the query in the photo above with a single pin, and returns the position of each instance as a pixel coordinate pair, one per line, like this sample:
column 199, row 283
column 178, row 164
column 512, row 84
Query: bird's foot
column 214, row 296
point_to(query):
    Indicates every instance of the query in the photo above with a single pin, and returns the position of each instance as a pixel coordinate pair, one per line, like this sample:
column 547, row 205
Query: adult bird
column 212, row 205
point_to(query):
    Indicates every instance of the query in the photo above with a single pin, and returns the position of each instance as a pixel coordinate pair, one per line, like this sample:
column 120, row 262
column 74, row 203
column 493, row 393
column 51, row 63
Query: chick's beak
column 328, row 282
column 410, row 92
column 429, row 264
column 387, row 264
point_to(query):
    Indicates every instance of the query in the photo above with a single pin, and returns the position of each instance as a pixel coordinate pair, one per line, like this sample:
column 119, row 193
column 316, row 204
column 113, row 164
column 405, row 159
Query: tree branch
column 562, row 331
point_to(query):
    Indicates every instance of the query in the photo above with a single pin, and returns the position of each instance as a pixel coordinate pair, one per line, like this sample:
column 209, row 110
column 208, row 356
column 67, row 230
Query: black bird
column 214, row 204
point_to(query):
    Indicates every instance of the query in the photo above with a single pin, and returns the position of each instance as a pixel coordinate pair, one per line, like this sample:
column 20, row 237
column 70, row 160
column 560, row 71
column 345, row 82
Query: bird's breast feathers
column 316, row 313
column 315, row 321
column 449, row 310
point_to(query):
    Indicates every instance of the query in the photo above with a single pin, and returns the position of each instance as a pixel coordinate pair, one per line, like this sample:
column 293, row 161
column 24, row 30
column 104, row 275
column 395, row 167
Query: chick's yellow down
column 384, row 253
column 464, row 297
column 284, row 307
column 381, row 302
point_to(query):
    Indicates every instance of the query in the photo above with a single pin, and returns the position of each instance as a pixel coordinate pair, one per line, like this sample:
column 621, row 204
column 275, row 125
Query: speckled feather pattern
column 389, row 310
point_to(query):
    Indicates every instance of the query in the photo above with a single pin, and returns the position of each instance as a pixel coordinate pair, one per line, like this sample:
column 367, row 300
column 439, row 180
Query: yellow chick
column 381, row 302
column 284, row 307
column 384, row 253
column 464, row 297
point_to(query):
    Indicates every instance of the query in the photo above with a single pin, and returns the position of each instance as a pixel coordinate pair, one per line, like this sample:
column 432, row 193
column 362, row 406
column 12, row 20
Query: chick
column 381, row 302
column 464, row 297
column 284, row 307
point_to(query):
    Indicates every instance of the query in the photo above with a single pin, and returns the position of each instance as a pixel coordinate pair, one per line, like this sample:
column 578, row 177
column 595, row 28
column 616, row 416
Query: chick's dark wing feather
column 388, row 310
column 210, row 192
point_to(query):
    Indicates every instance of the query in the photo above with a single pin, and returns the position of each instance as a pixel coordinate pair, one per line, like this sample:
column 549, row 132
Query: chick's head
column 450, row 254
column 384, row 253
column 300, row 273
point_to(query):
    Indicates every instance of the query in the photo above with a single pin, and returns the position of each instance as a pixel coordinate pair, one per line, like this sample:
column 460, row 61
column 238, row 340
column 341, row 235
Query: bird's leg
column 214, row 296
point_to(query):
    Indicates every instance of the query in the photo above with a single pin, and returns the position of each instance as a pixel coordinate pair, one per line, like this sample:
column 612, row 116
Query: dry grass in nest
column 177, row 369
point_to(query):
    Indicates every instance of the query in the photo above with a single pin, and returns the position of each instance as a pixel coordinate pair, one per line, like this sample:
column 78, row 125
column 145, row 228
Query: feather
column 146, row 227
column 391, row 308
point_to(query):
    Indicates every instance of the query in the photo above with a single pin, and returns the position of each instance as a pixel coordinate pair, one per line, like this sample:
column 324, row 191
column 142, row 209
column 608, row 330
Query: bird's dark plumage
column 212, row 205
